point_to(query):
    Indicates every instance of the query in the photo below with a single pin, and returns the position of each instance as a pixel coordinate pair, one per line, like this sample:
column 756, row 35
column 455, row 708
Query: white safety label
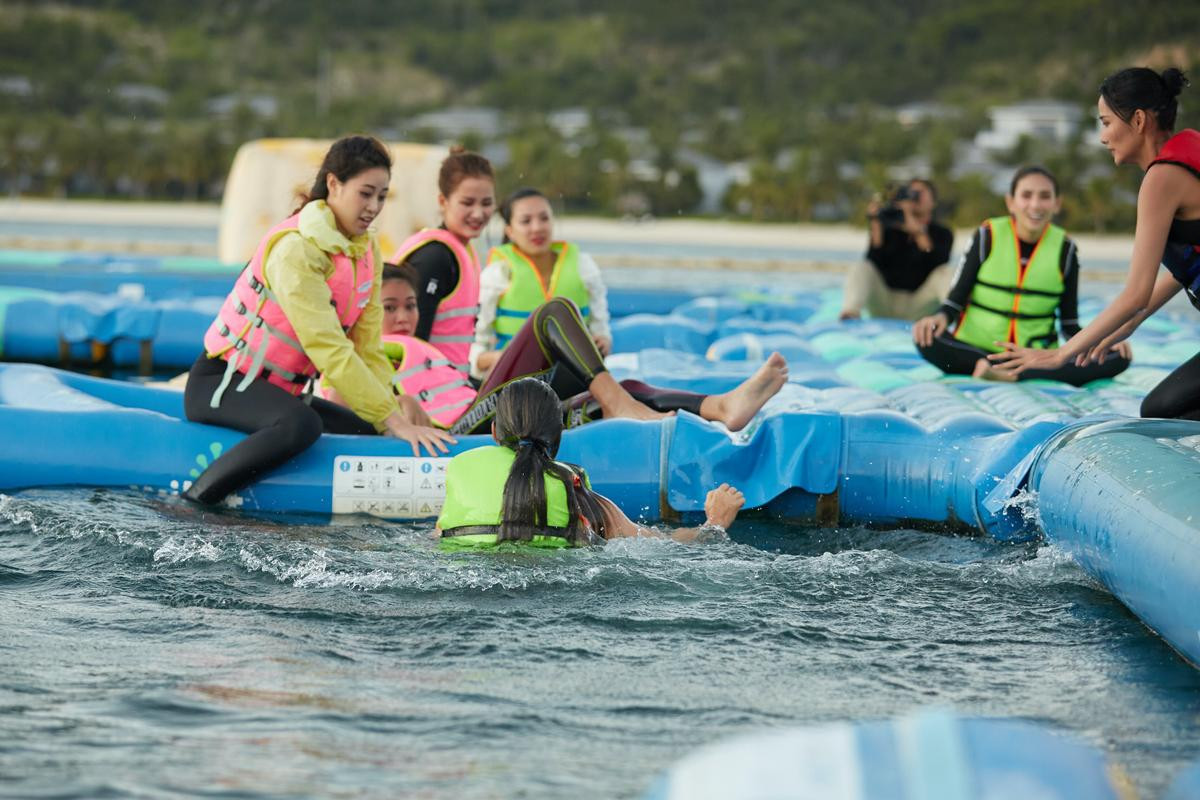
column 389, row 487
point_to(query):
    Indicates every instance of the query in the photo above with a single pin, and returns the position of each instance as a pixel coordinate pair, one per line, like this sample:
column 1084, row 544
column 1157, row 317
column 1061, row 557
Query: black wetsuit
column 438, row 270
column 280, row 426
column 956, row 357
column 1178, row 395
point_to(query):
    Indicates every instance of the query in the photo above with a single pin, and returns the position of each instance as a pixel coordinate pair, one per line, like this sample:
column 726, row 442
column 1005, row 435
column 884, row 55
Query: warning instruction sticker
column 390, row 487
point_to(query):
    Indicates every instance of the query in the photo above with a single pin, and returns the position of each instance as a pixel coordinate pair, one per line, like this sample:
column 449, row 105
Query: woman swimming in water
column 514, row 491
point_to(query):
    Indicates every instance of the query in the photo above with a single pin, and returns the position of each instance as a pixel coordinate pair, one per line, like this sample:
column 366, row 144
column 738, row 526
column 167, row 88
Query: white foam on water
column 179, row 551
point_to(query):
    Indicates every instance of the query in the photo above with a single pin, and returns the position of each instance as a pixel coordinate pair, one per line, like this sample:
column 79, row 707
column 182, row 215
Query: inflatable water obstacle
column 864, row 433
column 928, row 755
column 128, row 312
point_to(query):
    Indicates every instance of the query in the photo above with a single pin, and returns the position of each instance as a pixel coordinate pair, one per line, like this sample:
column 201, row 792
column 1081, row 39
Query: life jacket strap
column 1017, row 290
column 454, row 313
column 1010, row 314
column 425, row 365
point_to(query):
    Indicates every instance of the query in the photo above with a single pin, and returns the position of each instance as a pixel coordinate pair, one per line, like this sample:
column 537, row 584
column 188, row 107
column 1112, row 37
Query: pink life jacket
column 454, row 323
column 252, row 333
column 425, row 373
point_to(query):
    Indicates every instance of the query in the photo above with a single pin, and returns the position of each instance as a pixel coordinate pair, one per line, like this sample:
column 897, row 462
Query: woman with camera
column 905, row 273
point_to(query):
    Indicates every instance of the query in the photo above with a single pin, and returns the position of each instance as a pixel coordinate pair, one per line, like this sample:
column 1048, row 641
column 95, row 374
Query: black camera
column 892, row 215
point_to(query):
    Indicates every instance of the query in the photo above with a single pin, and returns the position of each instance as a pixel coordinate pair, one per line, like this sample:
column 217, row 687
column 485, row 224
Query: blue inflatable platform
column 930, row 755
column 865, row 432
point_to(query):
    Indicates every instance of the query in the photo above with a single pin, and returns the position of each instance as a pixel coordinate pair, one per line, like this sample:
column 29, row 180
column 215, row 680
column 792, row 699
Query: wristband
column 711, row 530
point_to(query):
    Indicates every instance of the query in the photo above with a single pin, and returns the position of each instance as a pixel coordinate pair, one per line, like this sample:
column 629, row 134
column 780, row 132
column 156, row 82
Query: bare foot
column 985, row 371
column 737, row 407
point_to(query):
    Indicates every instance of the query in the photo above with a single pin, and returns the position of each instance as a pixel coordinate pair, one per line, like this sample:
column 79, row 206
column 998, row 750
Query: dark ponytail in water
column 346, row 158
column 529, row 422
column 1142, row 88
column 507, row 206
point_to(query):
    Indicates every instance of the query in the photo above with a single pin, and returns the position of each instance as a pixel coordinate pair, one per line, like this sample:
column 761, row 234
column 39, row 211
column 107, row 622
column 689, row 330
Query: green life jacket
column 1011, row 304
column 470, row 518
column 526, row 291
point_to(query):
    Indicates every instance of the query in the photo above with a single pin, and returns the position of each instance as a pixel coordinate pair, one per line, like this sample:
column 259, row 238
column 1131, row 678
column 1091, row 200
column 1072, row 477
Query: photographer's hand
column 914, row 227
column 874, row 226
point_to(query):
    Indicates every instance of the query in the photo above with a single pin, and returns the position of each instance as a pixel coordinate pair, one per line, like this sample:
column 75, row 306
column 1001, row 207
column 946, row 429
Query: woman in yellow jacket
column 307, row 303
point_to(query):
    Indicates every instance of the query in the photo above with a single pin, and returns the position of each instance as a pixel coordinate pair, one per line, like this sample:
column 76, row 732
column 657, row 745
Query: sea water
column 150, row 650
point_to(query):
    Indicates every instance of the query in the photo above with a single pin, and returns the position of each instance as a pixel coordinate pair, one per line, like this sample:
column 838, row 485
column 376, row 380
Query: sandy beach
column 800, row 246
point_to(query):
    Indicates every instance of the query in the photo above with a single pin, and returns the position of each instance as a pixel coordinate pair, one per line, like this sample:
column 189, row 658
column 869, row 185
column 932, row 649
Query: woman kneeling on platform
column 1019, row 273
column 494, row 494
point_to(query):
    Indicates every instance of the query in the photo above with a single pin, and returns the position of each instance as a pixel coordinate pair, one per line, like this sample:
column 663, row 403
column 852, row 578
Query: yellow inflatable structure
column 268, row 176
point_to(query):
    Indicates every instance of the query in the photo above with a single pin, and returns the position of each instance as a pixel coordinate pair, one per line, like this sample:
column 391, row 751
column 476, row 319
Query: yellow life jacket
column 1013, row 304
column 471, row 516
column 526, row 290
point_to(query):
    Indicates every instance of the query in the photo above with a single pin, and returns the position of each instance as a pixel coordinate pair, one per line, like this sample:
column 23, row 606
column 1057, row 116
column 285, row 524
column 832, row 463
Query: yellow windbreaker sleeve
column 297, row 271
column 367, row 333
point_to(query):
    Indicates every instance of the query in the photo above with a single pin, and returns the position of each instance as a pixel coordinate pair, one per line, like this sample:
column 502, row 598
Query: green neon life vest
column 526, row 291
column 1009, row 304
column 475, row 495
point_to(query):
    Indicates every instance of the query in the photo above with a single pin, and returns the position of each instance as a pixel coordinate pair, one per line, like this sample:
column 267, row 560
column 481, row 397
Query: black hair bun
column 1174, row 81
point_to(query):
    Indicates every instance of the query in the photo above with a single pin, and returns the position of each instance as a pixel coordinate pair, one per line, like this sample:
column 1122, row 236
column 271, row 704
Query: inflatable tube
column 1186, row 785
column 86, row 328
column 931, row 755
column 1121, row 498
column 129, row 329
column 817, row 465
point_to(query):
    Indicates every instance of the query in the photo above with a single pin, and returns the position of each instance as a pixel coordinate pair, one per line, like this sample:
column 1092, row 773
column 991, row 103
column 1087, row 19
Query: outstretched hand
column 1015, row 359
column 434, row 440
column 411, row 408
column 722, row 505
column 1101, row 352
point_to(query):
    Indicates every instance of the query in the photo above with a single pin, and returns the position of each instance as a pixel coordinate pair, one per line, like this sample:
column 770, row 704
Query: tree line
column 150, row 99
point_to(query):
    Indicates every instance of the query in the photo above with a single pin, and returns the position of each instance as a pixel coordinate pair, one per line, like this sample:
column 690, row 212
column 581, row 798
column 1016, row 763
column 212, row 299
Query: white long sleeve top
column 494, row 281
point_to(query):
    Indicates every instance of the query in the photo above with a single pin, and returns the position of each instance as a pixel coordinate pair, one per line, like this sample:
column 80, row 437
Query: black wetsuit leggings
column 1178, row 395
column 280, row 426
column 955, row 357
column 555, row 346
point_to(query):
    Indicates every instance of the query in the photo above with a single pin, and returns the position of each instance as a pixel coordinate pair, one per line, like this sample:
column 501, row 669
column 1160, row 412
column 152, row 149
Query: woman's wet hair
column 1032, row 169
column 346, row 158
column 529, row 421
column 1141, row 88
column 403, row 271
column 460, row 165
column 506, row 207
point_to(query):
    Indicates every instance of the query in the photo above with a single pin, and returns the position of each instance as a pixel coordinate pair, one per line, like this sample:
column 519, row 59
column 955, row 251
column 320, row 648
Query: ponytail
column 529, row 422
